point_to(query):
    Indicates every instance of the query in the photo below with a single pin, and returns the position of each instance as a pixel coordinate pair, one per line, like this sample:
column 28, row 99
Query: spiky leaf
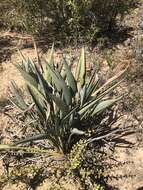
column 70, row 77
column 60, row 84
column 81, row 68
column 18, row 99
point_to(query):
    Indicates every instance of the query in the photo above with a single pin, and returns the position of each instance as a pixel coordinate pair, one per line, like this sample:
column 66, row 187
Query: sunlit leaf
column 81, row 68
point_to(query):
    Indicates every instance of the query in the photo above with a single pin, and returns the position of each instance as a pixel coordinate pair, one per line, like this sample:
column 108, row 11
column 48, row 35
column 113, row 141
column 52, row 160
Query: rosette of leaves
column 64, row 102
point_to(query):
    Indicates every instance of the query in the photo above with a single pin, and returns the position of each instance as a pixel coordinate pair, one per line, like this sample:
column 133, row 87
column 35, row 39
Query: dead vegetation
column 128, row 175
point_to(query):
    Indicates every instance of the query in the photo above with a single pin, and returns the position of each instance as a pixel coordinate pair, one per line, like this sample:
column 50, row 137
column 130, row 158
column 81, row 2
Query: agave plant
column 65, row 103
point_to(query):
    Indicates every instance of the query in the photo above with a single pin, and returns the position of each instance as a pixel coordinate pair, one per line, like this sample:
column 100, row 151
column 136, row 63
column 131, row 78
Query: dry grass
column 122, row 55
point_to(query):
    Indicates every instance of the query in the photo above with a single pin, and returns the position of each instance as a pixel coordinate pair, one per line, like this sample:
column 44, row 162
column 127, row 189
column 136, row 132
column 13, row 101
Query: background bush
column 75, row 18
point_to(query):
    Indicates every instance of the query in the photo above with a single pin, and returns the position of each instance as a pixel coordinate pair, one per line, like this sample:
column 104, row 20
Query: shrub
column 65, row 114
column 21, row 15
column 64, row 106
column 69, row 17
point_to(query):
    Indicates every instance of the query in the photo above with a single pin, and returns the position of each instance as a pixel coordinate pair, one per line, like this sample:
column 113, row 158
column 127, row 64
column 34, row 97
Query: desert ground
column 126, row 50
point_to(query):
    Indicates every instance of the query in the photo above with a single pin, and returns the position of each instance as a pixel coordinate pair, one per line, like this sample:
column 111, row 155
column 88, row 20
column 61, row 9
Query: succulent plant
column 64, row 103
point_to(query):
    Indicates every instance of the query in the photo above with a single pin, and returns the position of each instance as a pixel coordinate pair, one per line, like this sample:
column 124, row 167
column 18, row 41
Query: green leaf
column 110, row 82
column 39, row 102
column 31, row 82
column 51, row 63
column 51, row 59
column 60, row 84
column 28, row 78
column 61, row 104
column 91, row 89
column 65, row 118
column 33, row 138
column 44, row 86
column 92, row 86
column 105, row 104
column 70, row 77
column 83, row 92
column 55, row 78
column 22, row 56
column 98, row 97
column 81, row 68
column 18, row 100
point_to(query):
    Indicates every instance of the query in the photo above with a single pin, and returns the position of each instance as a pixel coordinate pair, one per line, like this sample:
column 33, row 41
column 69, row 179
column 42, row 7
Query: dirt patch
column 130, row 175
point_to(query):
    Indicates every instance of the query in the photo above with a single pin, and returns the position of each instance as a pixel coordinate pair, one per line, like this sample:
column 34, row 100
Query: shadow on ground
column 5, row 48
column 140, row 188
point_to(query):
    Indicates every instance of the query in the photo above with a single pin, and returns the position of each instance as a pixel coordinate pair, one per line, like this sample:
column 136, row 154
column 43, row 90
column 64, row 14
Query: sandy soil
column 130, row 175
